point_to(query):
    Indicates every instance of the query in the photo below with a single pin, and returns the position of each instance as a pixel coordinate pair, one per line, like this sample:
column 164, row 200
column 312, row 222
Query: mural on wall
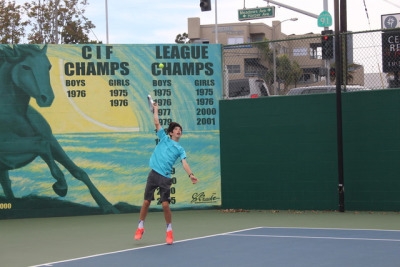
column 76, row 132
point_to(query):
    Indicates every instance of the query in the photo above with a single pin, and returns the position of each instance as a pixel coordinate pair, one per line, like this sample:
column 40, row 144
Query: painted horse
column 24, row 132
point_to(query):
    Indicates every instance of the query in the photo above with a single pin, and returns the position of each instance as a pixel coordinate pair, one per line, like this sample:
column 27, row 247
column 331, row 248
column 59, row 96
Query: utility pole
column 106, row 21
column 340, row 7
column 341, row 64
column 216, row 22
column 327, row 61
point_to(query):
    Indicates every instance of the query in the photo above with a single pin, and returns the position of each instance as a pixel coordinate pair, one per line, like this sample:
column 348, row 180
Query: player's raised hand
column 194, row 179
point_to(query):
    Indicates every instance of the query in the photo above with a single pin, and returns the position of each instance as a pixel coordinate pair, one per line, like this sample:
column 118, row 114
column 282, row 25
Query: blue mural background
column 100, row 117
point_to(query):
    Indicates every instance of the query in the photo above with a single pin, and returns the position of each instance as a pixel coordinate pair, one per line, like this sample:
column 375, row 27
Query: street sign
column 390, row 51
column 256, row 13
column 390, row 21
column 324, row 19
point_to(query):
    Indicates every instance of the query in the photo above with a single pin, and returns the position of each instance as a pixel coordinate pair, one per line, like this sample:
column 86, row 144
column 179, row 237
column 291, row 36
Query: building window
column 201, row 41
column 253, row 68
column 300, row 52
column 235, row 40
column 308, row 78
column 233, row 68
column 259, row 37
column 315, row 51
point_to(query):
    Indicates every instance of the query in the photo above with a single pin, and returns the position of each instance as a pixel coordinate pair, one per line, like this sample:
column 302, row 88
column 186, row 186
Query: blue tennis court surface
column 263, row 246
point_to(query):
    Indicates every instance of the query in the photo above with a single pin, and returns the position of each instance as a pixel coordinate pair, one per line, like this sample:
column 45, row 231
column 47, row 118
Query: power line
column 366, row 13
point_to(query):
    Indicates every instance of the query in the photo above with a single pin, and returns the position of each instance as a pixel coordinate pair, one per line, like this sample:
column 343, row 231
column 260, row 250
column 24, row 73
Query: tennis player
column 167, row 151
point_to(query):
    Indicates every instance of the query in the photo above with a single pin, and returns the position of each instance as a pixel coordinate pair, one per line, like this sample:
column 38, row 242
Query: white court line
column 132, row 249
column 319, row 237
column 312, row 228
column 236, row 233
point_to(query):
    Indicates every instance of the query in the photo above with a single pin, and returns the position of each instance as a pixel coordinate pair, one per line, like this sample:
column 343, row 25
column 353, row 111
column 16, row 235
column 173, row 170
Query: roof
column 324, row 89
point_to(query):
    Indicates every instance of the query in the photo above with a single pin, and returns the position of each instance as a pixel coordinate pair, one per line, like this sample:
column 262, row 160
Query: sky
column 159, row 21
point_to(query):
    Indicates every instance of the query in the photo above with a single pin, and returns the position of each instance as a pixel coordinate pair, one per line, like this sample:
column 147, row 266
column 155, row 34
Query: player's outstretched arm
column 155, row 117
column 186, row 167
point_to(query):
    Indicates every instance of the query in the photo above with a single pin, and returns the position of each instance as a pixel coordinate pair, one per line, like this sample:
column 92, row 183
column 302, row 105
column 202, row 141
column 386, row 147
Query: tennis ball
column 161, row 65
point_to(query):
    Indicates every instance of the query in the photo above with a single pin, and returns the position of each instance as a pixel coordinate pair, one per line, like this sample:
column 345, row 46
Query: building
column 242, row 58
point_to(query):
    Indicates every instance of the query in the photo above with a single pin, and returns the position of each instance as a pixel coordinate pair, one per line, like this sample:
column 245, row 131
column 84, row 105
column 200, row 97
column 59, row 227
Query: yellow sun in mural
column 86, row 105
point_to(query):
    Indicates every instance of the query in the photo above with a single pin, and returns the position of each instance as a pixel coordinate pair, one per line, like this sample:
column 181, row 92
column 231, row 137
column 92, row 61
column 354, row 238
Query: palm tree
column 349, row 72
column 182, row 38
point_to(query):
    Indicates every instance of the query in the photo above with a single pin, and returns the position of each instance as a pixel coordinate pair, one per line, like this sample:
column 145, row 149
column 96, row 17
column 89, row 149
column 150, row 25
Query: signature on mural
column 24, row 132
column 202, row 198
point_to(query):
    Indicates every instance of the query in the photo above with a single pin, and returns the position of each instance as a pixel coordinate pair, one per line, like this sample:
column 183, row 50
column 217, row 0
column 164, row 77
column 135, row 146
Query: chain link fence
column 276, row 67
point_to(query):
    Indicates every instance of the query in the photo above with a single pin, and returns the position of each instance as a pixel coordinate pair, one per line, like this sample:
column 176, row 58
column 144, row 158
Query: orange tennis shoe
column 170, row 237
column 139, row 233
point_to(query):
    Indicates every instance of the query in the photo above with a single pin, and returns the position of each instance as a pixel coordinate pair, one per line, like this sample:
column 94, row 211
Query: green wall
column 281, row 152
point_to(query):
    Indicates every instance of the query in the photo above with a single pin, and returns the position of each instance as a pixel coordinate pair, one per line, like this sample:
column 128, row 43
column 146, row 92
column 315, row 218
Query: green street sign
column 256, row 13
column 324, row 19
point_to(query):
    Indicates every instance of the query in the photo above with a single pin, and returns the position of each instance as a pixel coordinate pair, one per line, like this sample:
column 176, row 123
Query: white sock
column 141, row 224
column 169, row 227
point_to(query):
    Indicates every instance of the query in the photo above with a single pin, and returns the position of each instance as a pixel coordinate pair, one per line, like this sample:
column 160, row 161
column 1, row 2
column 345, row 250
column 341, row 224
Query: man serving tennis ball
column 167, row 151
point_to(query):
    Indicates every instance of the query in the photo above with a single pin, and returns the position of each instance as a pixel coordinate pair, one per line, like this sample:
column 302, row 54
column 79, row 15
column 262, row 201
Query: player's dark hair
column 172, row 126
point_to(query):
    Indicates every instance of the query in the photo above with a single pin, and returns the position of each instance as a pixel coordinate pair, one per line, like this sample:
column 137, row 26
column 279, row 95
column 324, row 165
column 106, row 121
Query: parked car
column 324, row 89
column 246, row 88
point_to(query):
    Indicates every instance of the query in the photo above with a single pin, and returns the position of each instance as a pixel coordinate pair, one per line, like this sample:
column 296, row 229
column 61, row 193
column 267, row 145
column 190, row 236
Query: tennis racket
column 151, row 102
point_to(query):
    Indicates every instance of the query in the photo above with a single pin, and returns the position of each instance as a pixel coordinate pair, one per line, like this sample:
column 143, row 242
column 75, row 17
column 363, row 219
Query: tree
column 182, row 38
column 73, row 34
column 288, row 72
column 58, row 21
column 297, row 72
column 266, row 54
column 12, row 27
column 346, row 72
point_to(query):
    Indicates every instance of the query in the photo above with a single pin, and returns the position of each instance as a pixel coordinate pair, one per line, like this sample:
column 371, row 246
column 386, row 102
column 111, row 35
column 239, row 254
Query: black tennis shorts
column 154, row 181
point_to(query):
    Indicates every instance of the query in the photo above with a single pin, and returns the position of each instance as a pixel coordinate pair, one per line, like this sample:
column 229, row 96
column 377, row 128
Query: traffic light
column 327, row 44
column 205, row 5
column 332, row 74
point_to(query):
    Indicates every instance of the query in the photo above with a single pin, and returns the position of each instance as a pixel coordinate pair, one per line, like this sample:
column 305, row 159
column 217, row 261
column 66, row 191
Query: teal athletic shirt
column 165, row 154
